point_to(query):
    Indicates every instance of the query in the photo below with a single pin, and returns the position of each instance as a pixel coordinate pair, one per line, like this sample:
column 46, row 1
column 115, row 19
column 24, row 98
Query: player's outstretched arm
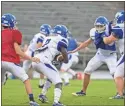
column 82, row 45
column 23, row 55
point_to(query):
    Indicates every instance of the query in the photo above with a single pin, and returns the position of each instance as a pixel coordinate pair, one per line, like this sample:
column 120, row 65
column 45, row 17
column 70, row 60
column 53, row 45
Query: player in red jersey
column 11, row 53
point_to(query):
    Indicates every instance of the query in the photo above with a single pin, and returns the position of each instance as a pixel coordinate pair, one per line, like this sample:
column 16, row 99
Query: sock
column 57, row 95
column 41, row 82
column 47, row 85
column 31, row 98
column 71, row 72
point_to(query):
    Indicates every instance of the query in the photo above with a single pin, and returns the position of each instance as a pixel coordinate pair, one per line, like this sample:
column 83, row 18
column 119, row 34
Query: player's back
column 51, row 46
column 35, row 40
column 9, row 36
column 72, row 45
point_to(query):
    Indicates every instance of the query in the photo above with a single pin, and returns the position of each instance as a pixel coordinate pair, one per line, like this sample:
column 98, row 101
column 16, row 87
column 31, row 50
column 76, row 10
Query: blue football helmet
column 100, row 24
column 119, row 17
column 61, row 30
column 8, row 20
column 45, row 29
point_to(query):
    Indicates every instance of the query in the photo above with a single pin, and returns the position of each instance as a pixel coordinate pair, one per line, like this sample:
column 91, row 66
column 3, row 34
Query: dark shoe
column 33, row 103
column 43, row 98
column 81, row 93
column 41, row 86
column 117, row 97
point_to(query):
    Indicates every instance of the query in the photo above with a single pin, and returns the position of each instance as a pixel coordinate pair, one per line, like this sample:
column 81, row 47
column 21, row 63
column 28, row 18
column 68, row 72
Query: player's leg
column 64, row 69
column 119, row 78
column 41, row 81
column 75, row 61
column 27, row 63
column 3, row 79
column 19, row 72
column 92, row 65
column 52, row 74
column 111, row 62
column 42, row 97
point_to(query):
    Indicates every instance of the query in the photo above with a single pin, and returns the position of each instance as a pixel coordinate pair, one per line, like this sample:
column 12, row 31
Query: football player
column 73, row 60
column 104, row 55
column 35, row 43
column 11, row 53
column 52, row 46
column 117, row 34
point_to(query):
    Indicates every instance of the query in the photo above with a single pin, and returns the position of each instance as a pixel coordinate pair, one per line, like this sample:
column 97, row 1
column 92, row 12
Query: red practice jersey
column 9, row 36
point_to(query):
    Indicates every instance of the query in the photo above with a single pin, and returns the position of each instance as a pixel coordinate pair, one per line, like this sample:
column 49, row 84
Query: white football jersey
column 36, row 38
column 51, row 47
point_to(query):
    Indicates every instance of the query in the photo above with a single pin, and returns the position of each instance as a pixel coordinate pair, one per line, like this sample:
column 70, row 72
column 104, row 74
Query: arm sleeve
column 92, row 33
column 62, row 43
column 17, row 36
column 117, row 32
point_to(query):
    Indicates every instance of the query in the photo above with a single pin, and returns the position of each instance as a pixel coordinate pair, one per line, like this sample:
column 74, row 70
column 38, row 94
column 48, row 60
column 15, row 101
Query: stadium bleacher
column 77, row 16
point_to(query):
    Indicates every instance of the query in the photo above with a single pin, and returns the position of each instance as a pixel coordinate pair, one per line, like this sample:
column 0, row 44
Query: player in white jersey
column 104, row 55
column 66, row 70
column 52, row 46
column 118, row 35
column 35, row 43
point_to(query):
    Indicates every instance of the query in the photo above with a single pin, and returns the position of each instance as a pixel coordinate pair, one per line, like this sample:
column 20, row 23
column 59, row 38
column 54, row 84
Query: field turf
column 98, row 93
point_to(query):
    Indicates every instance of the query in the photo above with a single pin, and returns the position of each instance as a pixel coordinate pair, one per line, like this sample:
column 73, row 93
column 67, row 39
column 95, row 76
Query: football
column 59, row 58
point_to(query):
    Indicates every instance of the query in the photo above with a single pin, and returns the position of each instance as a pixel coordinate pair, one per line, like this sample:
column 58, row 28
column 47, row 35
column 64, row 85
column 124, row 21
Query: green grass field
column 14, row 94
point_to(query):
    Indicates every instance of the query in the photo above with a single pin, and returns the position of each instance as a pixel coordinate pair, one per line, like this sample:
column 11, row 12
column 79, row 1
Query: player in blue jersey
column 117, row 34
column 73, row 60
column 104, row 55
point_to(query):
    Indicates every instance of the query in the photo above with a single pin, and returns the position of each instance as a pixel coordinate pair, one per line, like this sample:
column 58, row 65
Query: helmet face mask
column 100, row 24
column 100, row 28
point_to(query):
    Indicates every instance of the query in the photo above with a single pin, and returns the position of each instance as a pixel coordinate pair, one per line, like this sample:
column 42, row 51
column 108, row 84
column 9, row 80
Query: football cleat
column 58, row 104
column 33, row 103
column 81, row 93
column 117, row 97
column 41, row 86
column 43, row 98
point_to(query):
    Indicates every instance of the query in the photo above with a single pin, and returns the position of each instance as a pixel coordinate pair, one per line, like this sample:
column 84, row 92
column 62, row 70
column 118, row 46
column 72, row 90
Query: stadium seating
column 77, row 16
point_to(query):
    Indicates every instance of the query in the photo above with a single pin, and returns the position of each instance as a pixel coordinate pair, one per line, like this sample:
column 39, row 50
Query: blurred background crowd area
column 79, row 17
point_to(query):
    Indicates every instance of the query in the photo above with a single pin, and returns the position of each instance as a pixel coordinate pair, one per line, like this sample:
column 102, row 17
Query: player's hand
column 35, row 59
column 71, row 52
